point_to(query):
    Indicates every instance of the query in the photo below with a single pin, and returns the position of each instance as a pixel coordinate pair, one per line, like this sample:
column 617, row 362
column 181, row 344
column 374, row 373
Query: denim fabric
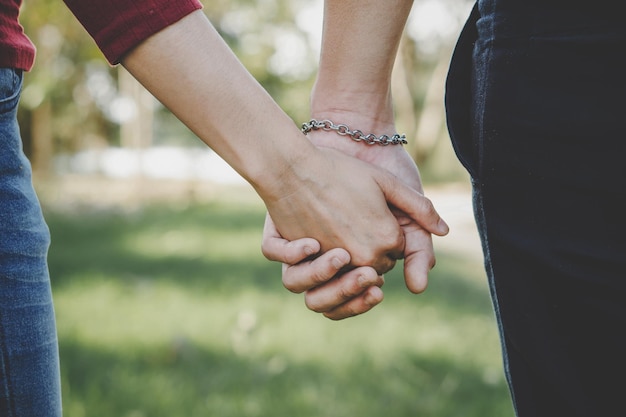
column 29, row 365
column 535, row 101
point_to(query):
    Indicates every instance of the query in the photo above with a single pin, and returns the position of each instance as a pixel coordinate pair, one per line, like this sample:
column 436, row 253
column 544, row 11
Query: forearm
column 360, row 43
column 200, row 80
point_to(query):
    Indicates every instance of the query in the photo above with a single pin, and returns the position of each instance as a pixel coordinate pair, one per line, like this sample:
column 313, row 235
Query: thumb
column 419, row 258
column 276, row 248
column 414, row 204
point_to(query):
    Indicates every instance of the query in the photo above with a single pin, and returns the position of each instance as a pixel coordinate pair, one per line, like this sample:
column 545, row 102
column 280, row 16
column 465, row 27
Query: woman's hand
column 345, row 203
column 349, row 294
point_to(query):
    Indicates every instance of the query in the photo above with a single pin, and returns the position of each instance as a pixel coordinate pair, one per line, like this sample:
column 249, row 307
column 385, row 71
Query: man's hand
column 328, row 288
column 348, row 92
column 419, row 257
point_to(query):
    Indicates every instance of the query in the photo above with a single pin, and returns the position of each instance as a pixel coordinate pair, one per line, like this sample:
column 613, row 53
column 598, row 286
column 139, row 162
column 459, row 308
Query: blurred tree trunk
column 136, row 131
column 432, row 118
column 41, row 138
column 402, row 91
column 424, row 125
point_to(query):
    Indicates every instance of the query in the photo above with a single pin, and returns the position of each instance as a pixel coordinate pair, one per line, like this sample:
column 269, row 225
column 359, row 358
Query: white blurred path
column 131, row 177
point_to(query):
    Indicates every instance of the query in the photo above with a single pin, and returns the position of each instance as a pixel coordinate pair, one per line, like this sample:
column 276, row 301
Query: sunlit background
column 165, row 305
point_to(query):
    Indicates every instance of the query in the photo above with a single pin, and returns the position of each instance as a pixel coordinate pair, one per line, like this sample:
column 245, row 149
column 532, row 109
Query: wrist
column 355, row 135
column 371, row 108
column 365, row 108
column 379, row 129
column 277, row 171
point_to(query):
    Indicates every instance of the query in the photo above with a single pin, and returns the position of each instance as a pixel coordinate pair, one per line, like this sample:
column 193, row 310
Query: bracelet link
column 356, row 135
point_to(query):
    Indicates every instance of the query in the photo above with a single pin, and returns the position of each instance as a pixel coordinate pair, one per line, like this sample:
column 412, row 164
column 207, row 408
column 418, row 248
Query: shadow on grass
column 195, row 381
column 93, row 245
column 186, row 379
column 457, row 281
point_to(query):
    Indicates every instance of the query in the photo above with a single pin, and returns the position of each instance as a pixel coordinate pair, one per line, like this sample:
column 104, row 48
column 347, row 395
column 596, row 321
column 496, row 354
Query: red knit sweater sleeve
column 119, row 25
column 16, row 50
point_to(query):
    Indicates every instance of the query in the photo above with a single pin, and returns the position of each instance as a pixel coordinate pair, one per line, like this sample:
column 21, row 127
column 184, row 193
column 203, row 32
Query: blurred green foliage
column 72, row 75
column 172, row 311
column 70, row 97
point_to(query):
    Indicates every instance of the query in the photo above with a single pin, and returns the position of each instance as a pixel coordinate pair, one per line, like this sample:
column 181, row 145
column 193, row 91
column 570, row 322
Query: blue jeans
column 29, row 364
column 536, row 106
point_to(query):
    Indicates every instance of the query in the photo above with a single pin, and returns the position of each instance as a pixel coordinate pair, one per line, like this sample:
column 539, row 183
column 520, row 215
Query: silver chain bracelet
column 357, row 135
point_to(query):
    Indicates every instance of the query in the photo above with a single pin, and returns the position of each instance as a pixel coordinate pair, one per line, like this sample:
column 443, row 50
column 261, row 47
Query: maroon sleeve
column 16, row 50
column 119, row 25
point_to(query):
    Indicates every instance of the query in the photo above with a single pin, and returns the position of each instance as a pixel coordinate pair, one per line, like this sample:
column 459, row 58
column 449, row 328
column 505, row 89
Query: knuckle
column 427, row 204
column 429, row 209
column 333, row 317
column 268, row 254
column 346, row 293
column 385, row 265
column 351, row 311
column 394, row 239
column 314, row 305
column 320, row 277
column 294, row 288
column 379, row 261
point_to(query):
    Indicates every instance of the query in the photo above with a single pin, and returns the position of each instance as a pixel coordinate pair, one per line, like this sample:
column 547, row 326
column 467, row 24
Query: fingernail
column 336, row 263
column 308, row 250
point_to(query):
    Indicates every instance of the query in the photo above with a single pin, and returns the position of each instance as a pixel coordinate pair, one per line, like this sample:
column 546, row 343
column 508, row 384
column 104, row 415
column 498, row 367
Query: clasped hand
column 359, row 219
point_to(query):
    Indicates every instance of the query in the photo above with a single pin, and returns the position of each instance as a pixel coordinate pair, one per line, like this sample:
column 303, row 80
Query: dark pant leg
column 545, row 145
column 560, row 292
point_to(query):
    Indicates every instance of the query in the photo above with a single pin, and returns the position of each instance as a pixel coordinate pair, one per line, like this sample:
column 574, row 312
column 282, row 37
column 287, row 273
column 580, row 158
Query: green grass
column 172, row 311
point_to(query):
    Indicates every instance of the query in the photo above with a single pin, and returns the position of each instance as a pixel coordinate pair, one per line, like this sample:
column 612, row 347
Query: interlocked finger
column 343, row 289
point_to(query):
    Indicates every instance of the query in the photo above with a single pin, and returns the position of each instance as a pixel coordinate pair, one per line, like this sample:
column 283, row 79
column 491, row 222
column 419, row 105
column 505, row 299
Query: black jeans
column 536, row 104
